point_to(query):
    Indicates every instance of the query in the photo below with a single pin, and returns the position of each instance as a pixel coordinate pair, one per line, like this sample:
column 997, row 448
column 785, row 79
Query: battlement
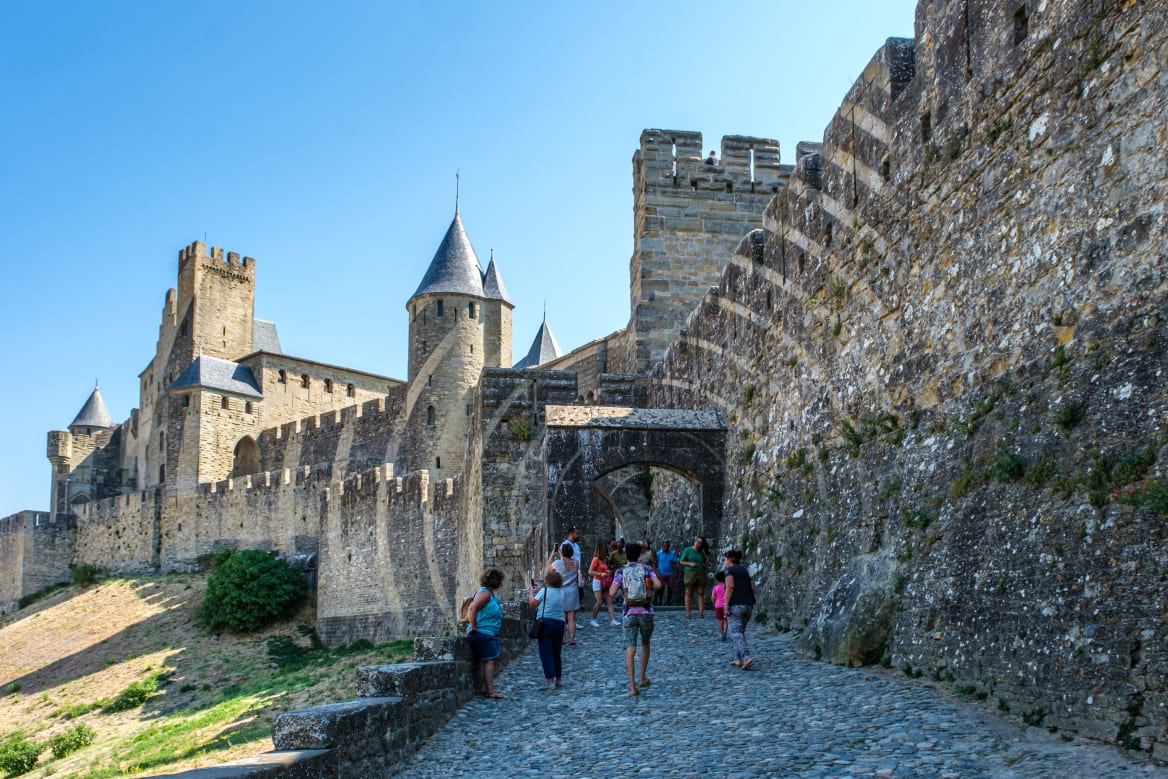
column 674, row 157
column 198, row 250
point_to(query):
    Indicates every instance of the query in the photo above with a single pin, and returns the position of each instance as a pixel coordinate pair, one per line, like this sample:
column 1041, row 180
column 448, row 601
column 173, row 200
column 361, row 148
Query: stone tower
column 212, row 314
column 85, row 466
column 460, row 322
column 687, row 218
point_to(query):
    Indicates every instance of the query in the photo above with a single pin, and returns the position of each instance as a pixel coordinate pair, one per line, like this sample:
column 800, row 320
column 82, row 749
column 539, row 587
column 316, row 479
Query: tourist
column 666, row 560
column 577, row 555
column 601, row 580
column 719, row 596
column 739, row 604
column 693, row 560
column 568, row 568
column 713, row 158
column 648, row 556
column 617, row 558
column 484, row 620
column 549, row 603
column 638, row 582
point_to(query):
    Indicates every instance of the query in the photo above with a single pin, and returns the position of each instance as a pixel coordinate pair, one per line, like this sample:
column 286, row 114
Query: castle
column 917, row 377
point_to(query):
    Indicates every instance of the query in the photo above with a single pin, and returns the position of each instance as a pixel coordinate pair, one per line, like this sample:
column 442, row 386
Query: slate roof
column 264, row 337
column 223, row 375
column 493, row 283
column 543, row 349
column 93, row 413
column 455, row 267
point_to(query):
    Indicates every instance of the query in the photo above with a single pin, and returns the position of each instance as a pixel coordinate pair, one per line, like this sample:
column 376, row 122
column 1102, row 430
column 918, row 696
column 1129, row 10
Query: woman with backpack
column 484, row 620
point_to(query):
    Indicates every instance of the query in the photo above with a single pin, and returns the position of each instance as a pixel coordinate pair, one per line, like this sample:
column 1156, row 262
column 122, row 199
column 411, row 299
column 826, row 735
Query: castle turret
column 446, row 355
column 84, row 461
column 543, row 349
column 497, row 319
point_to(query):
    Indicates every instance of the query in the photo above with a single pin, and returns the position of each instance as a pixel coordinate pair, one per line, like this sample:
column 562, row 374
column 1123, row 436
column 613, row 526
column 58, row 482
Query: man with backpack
column 638, row 582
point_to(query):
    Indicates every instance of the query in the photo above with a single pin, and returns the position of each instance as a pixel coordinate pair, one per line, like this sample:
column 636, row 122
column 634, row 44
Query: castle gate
column 583, row 443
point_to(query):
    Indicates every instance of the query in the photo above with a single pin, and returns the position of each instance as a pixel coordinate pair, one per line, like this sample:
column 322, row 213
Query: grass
column 125, row 681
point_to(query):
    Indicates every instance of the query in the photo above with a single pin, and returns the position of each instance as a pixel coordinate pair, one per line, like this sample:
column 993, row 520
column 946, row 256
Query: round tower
column 446, row 355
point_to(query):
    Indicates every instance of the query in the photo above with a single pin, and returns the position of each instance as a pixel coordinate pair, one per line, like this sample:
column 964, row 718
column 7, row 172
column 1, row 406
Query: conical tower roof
column 493, row 283
column 543, row 349
column 93, row 413
column 455, row 267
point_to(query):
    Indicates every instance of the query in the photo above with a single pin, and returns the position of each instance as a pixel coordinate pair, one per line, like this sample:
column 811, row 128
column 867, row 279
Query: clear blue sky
column 323, row 138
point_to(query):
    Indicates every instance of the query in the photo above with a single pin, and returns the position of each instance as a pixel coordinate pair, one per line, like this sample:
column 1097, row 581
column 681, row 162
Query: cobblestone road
column 703, row 718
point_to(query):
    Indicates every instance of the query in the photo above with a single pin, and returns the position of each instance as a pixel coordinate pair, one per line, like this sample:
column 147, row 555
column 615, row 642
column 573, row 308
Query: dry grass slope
column 216, row 695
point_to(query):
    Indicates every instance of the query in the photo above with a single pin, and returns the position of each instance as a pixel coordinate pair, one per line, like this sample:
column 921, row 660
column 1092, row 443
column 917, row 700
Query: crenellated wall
column 942, row 359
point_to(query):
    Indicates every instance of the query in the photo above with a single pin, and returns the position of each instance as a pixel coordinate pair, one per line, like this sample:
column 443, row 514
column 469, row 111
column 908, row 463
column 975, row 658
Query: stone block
column 325, row 727
column 404, row 680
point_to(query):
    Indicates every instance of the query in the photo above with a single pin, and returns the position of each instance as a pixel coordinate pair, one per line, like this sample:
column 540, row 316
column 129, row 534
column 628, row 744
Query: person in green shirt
column 693, row 561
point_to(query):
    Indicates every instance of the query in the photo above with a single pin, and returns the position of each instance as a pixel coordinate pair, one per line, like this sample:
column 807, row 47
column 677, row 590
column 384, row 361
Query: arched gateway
column 583, row 443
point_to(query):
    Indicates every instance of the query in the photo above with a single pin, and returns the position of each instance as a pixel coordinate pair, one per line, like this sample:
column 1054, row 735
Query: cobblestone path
column 701, row 717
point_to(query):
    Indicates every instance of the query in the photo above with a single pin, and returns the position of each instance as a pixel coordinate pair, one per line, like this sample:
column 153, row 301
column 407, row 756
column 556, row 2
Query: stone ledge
column 403, row 680
column 286, row 764
column 324, row 727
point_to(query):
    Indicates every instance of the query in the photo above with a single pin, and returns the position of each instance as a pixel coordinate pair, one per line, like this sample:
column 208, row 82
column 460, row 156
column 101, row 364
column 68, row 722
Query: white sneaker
column 615, row 623
column 594, row 624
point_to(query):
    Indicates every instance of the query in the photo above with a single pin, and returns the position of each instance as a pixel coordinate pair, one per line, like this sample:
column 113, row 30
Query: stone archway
column 246, row 458
column 583, row 443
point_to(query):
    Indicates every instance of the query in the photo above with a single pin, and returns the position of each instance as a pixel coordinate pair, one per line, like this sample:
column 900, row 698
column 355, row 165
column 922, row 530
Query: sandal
column 494, row 695
column 735, row 663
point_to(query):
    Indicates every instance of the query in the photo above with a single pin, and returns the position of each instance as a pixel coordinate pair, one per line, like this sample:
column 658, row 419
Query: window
column 430, row 380
column 305, row 381
column 224, row 404
column 438, row 463
column 186, row 401
column 440, row 308
column 328, row 386
column 161, row 441
column 429, row 415
column 351, row 391
column 247, row 407
column 283, row 379
column 471, row 310
column 1021, row 25
column 162, row 473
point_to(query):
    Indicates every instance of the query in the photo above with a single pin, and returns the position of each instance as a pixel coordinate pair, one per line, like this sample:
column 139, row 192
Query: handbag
column 535, row 630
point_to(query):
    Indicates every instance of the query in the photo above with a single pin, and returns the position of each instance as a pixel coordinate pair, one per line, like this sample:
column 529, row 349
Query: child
column 719, row 596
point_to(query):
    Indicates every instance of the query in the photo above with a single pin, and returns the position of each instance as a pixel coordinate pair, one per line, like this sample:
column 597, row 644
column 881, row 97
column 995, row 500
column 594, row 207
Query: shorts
column 634, row 623
column 597, row 585
column 695, row 579
column 484, row 645
column 719, row 612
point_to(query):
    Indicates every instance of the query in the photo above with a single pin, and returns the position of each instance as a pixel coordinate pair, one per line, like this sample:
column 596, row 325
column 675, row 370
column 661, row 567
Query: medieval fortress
column 918, row 375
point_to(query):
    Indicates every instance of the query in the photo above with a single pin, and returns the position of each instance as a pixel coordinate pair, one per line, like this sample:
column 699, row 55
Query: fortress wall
column 352, row 439
column 288, row 399
column 943, row 353
column 49, row 544
column 119, row 534
column 388, row 557
column 272, row 510
column 11, row 562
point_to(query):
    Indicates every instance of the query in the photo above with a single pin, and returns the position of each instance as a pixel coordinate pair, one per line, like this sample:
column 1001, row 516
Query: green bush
column 249, row 590
column 135, row 694
column 84, row 574
column 18, row 754
column 64, row 744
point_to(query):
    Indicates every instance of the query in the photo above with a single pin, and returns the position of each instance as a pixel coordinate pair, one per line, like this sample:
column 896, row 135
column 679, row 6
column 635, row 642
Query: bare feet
column 634, row 692
column 735, row 663
column 747, row 663
column 497, row 696
column 645, row 681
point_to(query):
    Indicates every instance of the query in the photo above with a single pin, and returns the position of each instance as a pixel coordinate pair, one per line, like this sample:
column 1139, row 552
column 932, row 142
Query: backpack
column 464, row 609
column 635, row 585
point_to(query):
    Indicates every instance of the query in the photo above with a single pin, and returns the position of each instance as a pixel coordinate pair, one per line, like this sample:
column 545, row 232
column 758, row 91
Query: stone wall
column 388, row 557
column 944, row 354
column 120, row 534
